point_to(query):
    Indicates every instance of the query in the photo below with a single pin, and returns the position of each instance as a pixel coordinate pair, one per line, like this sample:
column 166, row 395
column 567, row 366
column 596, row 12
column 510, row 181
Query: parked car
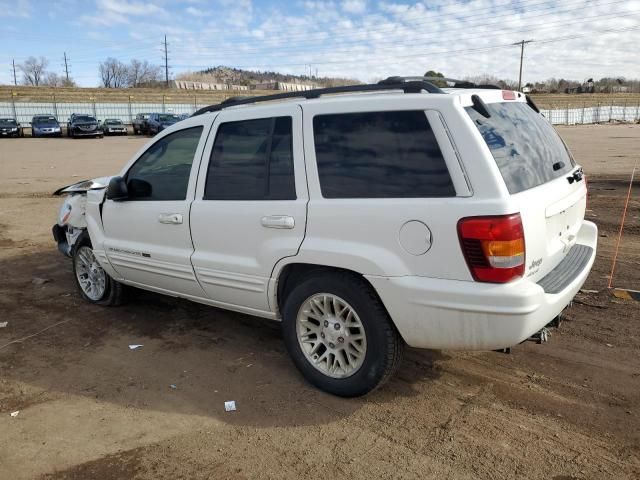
column 84, row 126
column 441, row 219
column 139, row 123
column 157, row 122
column 114, row 126
column 10, row 128
column 45, row 126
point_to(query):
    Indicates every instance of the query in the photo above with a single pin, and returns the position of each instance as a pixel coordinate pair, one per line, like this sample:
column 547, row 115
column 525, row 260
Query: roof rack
column 411, row 86
column 456, row 83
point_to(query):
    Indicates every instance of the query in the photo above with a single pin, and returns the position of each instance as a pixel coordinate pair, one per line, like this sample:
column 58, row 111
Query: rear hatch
column 541, row 177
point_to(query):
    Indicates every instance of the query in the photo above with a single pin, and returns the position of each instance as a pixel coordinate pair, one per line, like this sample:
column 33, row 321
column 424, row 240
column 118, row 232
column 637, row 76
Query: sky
column 363, row 39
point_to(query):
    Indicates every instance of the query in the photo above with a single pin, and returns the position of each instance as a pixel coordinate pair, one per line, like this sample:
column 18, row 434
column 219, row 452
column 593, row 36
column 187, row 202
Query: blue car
column 159, row 121
column 45, row 126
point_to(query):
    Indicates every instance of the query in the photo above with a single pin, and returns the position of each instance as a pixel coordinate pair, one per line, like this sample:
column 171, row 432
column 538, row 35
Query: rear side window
column 252, row 160
column 379, row 155
column 526, row 148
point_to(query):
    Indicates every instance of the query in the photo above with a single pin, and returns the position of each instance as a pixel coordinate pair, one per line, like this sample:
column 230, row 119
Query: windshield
column 168, row 118
column 112, row 122
column 40, row 120
column 8, row 121
column 525, row 146
column 84, row 118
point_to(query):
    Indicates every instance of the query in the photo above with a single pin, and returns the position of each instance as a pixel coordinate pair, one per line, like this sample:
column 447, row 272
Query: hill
column 238, row 76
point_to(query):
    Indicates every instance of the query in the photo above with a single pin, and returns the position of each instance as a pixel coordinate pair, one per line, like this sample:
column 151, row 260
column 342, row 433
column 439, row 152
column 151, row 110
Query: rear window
column 379, row 155
column 526, row 148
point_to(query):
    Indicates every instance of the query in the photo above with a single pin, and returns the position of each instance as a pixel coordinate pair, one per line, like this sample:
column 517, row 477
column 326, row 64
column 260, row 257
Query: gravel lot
column 92, row 408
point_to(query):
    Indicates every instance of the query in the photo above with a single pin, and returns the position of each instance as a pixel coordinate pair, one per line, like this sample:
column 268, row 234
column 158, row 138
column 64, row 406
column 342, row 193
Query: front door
column 250, row 206
column 147, row 237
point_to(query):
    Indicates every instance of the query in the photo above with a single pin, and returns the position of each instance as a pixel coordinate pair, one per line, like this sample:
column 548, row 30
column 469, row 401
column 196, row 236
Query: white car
column 364, row 218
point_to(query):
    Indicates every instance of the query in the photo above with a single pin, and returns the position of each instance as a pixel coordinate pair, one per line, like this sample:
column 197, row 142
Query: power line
column 166, row 63
column 442, row 52
column 425, row 37
column 66, row 66
column 521, row 43
column 348, row 38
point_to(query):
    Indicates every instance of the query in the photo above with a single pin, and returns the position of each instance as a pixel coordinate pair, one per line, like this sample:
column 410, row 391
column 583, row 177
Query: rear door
column 538, row 172
column 251, row 203
column 147, row 238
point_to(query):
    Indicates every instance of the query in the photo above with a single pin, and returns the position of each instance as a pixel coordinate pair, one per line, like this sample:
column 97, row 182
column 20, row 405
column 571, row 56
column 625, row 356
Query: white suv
column 364, row 218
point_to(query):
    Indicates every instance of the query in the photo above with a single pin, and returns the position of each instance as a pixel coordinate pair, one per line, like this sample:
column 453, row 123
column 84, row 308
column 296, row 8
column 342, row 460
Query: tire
column 382, row 345
column 113, row 292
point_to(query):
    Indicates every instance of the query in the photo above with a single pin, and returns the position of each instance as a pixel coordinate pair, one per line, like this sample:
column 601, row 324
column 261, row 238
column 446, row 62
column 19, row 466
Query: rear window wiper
column 532, row 104
column 479, row 106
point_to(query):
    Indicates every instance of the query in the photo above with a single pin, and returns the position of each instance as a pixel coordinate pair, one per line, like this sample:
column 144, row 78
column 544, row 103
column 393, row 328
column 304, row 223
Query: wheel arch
column 287, row 275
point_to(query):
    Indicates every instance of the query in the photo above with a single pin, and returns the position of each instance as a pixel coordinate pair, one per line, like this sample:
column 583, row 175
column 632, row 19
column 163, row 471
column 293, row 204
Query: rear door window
column 379, row 155
column 252, row 160
column 526, row 148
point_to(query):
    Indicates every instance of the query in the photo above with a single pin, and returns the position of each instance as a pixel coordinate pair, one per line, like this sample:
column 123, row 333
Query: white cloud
column 114, row 12
column 196, row 12
column 354, row 6
column 19, row 8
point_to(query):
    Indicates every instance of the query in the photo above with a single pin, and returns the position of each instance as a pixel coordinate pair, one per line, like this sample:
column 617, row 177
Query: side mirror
column 139, row 188
column 117, row 189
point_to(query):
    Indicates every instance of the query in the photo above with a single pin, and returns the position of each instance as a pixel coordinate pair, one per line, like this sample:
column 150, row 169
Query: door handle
column 170, row 218
column 278, row 221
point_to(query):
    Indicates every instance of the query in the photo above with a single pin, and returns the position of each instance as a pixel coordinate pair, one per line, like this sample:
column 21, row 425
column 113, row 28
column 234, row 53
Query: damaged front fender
column 72, row 221
column 84, row 186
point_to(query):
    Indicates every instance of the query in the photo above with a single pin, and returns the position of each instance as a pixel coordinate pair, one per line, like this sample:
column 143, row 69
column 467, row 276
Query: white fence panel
column 24, row 111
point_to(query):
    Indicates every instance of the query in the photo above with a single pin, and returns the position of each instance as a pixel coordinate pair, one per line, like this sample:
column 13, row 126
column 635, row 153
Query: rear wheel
column 94, row 284
column 339, row 334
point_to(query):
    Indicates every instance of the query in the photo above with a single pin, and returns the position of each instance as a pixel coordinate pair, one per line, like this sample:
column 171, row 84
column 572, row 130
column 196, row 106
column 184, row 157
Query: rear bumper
column 462, row 315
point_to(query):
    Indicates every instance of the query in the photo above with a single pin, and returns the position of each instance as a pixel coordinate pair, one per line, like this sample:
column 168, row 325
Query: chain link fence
column 601, row 113
column 23, row 112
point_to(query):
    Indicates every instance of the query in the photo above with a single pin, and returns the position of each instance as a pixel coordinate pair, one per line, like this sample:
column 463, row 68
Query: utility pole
column 521, row 43
column 166, row 63
column 66, row 66
column 15, row 81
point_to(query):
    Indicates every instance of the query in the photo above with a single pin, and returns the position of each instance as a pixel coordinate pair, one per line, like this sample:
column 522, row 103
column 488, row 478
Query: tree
column 437, row 83
column 142, row 72
column 52, row 79
column 33, row 70
column 114, row 73
column 68, row 82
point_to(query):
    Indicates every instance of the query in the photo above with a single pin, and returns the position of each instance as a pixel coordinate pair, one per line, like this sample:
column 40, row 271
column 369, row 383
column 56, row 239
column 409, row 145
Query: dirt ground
column 91, row 408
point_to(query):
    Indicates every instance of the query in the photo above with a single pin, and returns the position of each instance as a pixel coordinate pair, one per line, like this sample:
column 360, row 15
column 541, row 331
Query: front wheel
column 339, row 334
column 94, row 284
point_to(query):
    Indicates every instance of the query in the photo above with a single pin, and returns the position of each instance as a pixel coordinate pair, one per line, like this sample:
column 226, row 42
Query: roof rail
column 456, row 83
column 406, row 86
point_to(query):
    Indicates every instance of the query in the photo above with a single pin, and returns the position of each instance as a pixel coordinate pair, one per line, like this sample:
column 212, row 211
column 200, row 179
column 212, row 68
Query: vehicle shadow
column 193, row 359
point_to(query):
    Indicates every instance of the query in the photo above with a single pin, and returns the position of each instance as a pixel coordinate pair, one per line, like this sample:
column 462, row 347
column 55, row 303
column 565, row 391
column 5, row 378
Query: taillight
column 493, row 247
column 508, row 95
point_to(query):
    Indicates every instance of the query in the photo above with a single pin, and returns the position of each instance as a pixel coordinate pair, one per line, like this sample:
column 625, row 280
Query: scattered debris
column 3, row 324
column 584, row 290
column 609, row 345
column 15, row 414
column 626, row 294
column 135, row 347
column 173, row 387
column 230, row 406
column 39, row 281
